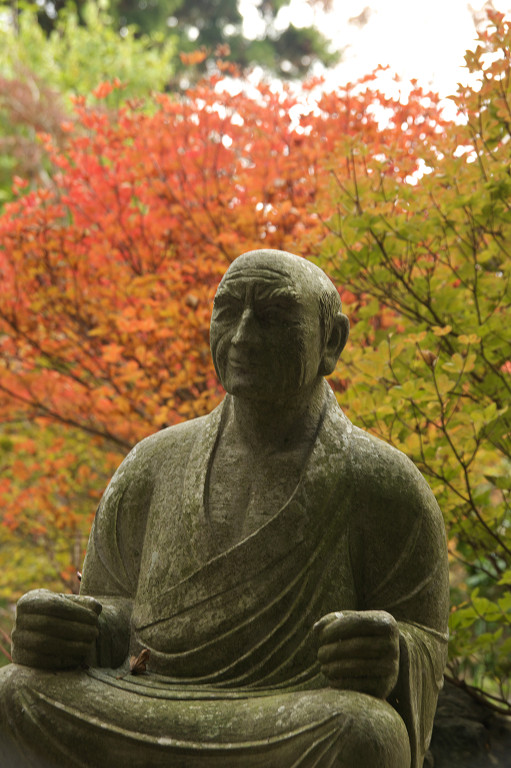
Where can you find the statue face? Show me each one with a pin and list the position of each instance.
(265, 332)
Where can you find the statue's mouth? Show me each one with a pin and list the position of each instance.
(242, 362)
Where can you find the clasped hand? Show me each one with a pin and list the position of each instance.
(54, 631)
(359, 651)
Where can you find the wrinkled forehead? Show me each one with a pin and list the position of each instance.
(261, 279)
(264, 271)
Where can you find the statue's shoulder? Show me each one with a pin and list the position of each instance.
(385, 482)
(178, 436)
(396, 529)
(163, 451)
(366, 459)
(374, 458)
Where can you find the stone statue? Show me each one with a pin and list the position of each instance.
(280, 574)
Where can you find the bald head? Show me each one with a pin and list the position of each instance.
(281, 263)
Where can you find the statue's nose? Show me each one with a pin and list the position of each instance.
(246, 329)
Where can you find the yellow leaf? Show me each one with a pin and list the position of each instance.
(441, 331)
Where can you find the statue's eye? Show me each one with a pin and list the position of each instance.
(271, 314)
(226, 310)
(277, 312)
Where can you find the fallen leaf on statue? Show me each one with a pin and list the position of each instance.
(138, 663)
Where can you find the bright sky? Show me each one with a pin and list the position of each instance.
(422, 39)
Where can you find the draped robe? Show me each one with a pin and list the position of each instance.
(233, 677)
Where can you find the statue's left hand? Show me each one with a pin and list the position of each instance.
(359, 650)
(54, 631)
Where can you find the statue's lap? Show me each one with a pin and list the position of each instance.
(107, 716)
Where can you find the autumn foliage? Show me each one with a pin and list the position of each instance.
(108, 276)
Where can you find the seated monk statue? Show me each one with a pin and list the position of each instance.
(280, 573)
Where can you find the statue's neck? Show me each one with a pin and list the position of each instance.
(269, 427)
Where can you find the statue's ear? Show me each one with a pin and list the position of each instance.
(335, 344)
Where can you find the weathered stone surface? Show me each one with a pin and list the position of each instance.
(283, 573)
(468, 734)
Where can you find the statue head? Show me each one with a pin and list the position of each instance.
(277, 326)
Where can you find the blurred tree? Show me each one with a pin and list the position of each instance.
(288, 52)
(51, 52)
(42, 74)
(84, 48)
(280, 48)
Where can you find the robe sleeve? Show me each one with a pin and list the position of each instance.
(112, 562)
(400, 545)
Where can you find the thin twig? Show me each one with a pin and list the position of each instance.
(481, 696)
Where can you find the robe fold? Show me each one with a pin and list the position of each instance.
(232, 633)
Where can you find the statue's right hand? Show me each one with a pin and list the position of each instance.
(54, 631)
